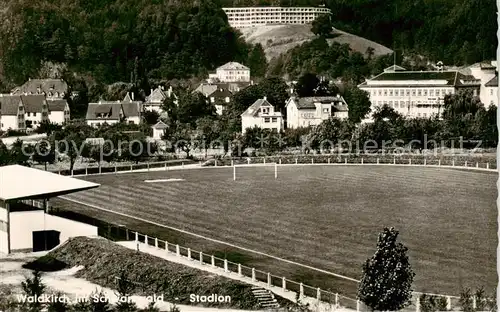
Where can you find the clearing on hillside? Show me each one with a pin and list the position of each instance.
(327, 217)
(278, 39)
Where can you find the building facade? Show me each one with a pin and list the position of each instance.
(156, 98)
(487, 73)
(113, 112)
(25, 112)
(261, 114)
(311, 111)
(231, 72)
(416, 94)
(259, 16)
(51, 88)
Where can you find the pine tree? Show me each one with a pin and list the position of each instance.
(387, 276)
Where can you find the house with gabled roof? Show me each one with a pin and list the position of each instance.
(263, 115)
(24, 112)
(155, 99)
(311, 111)
(416, 94)
(159, 129)
(108, 112)
(51, 88)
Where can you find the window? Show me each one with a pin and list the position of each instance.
(325, 110)
(425, 92)
(390, 92)
(396, 92)
(390, 103)
(274, 119)
(34, 114)
(385, 92)
(419, 92)
(491, 91)
(267, 119)
(413, 92)
(34, 122)
(402, 104)
(379, 92)
(379, 103)
(425, 115)
(431, 92)
(437, 92)
(29, 114)
(385, 102)
(407, 92)
(443, 92)
(418, 114)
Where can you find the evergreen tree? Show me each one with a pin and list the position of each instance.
(387, 276)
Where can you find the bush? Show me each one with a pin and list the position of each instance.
(46, 263)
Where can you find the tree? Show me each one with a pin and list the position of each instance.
(387, 276)
(20, 153)
(44, 153)
(124, 290)
(257, 61)
(322, 25)
(33, 287)
(71, 140)
(306, 85)
(5, 157)
(58, 305)
(208, 132)
(430, 303)
(358, 103)
(151, 117)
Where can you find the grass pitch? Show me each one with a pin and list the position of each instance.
(327, 217)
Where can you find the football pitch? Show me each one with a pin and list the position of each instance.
(327, 217)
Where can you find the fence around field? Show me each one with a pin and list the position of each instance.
(332, 159)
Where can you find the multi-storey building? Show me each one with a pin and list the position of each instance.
(156, 98)
(416, 93)
(487, 73)
(25, 112)
(108, 112)
(220, 94)
(258, 16)
(311, 111)
(261, 114)
(51, 88)
(231, 72)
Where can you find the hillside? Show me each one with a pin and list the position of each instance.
(278, 39)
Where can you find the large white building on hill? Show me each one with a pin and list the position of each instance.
(231, 72)
(259, 16)
(416, 93)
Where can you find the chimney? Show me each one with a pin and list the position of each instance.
(132, 96)
(265, 98)
(338, 95)
(151, 92)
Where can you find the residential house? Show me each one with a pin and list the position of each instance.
(261, 114)
(487, 73)
(156, 98)
(231, 72)
(51, 88)
(159, 129)
(107, 112)
(220, 94)
(24, 112)
(59, 112)
(311, 111)
(416, 93)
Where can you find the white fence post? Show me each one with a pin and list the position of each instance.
(328, 160)
(232, 163)
(453, 162)
(409, 161)
(166, 246)
(301, 290)
(275, 171)
(215, 163)
(99, 169)
(448, 303)
(116, 169)
(213, 261)
(156, 242)
(166, 165)
(182, 165)
(425, 161)
(264, 160)
(87, 170)
(296, 160)
(477, 165)
(378, 161)
(234, 173)
(253, 275)
(283, 284)
(312, 160)
(318, 294)
(136, 236)
(280, 161)
(439, 162)
(201, 258)
(474, 302)
(417, 305)
(177, 250)
(345, 160)
(248, 161)
(336, 300)
(239, 270)
(487, 165)
(358, 305)
(362, 160)
(131, 169)
(189, 253)
(145, 239)
(394, 161)
(225, 266)
(466, 163)
(269, 280)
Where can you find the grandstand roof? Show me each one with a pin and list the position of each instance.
(19, 182)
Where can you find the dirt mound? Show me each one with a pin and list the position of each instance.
(103, 261)
(278, 39)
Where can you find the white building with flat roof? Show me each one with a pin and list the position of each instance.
(416, 94)
(259, 16)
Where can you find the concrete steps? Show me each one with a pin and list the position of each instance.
(265, 298)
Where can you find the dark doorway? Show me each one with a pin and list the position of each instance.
(45, 240)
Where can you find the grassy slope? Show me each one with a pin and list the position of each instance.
(327, 217)
(103, 261)
(277, 39)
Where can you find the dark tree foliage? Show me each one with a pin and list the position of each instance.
(257, 61)
(322, 26)
(387, 276)
(118, 40)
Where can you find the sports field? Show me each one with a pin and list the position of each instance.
(328, 217)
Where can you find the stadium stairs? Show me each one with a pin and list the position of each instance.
(265, 298)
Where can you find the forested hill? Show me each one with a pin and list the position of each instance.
(454, 31)
(115, 40)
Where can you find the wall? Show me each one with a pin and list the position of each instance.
(3, 228)
(21, 236)
(95, 122)
(8, 122)
(56, 117)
